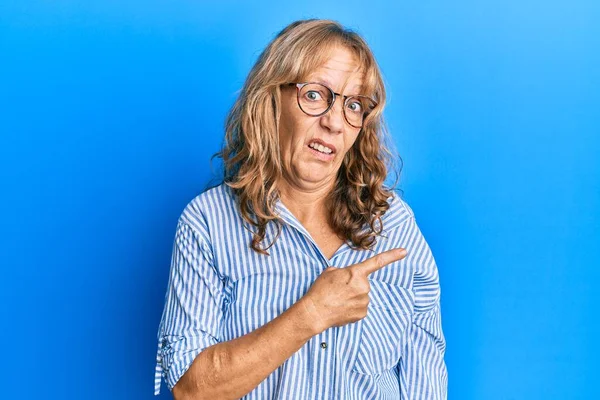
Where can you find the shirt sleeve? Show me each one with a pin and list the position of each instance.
(421, 370)
(192, 314)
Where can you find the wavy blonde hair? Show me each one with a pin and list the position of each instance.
(251, 153)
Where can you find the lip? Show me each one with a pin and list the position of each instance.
(321, 156)
(323, 143)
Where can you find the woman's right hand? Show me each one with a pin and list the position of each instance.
(340, 296)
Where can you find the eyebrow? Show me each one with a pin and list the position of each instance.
(326, 82)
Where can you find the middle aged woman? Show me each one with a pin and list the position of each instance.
(302, 276)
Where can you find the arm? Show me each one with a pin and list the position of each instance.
(230, 370)
(191, 357)
(422, 371)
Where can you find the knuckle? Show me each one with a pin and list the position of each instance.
(329, 269)
(365, 287)
(380, 261)
(350, 273)
(363, 312)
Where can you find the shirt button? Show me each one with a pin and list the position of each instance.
(323, 345)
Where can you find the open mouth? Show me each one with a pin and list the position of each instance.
(320, 148)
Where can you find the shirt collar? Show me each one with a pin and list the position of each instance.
(394, 216)
(390, 220)
(286, 215)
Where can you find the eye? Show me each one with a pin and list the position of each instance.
(355, 106)
(313, 95)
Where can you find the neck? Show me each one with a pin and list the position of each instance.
(309, 206)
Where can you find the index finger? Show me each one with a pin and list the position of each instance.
(379, 261)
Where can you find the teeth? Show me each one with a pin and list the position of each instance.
(320, 148)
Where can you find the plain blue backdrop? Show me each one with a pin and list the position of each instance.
(110, 111)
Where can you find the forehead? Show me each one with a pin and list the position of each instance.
(340, 69)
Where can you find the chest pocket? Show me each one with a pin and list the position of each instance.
(382, 333)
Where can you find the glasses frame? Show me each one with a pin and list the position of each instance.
(300, 85)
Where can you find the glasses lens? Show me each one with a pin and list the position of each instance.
(314, 98)
(356, 109)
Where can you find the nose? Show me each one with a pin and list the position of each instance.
(333, 119)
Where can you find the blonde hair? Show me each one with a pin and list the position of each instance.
(251, 154)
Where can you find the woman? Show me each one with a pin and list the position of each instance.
(302, 276)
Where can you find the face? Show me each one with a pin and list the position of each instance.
(306, 164)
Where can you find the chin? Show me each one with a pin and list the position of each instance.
(316, 177)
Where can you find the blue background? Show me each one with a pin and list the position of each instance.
(110, 111)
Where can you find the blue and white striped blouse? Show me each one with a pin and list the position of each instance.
(220, 289)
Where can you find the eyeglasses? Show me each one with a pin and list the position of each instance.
(315, 99)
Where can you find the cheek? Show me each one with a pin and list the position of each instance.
(292, 126)
(287, 133)
(299, 129)
(291, 140)
(350, 142)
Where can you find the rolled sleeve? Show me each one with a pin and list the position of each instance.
(192, 315)
(422, 370)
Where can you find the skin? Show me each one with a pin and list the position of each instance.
(231, 369)
(307, 180)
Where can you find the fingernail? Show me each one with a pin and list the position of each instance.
(402, 252)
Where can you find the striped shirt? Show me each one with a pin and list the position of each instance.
(220, 289)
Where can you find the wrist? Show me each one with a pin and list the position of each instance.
(309, 317)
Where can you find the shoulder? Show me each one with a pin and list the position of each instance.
(420, 258)
(398, 213)
(212, 206)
